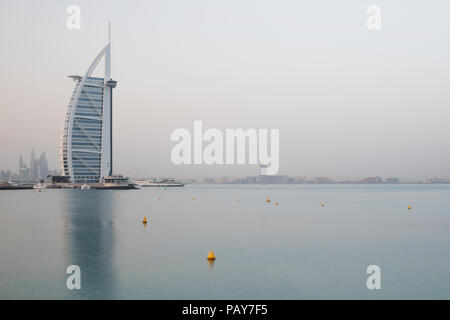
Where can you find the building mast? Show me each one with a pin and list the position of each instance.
(109, 85)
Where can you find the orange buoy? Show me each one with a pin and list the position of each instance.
(211, 255)
(276, 203)
(268, 199)
(144, 221)
(409, 207)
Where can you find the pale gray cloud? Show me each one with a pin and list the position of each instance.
(348, 101)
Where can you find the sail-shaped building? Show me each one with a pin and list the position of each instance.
(86, 142)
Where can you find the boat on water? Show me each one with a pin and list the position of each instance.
(85, 187)
(117, 182)
(40, 186)
(162, 183)
(14, 186)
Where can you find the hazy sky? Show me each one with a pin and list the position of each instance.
(349, 102)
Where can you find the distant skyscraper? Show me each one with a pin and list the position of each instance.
(34, 173)
(43, 166)
(86, 149)
(23, 170)
(5, 175)
(21, 165)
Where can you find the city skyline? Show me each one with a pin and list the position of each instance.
(36, 170)
(27, 174)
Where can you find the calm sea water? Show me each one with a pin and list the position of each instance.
(296, 250)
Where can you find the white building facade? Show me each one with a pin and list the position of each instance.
(86, 142)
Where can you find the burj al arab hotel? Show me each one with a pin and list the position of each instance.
(86, 142)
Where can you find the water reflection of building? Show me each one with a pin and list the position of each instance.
(89, 238)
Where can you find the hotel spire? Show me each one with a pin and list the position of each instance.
(87, 155)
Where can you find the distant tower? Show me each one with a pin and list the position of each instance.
(21, 162)
(43, 166)
(34, 174)
(31, 157)
(86, 154)
(23, 170)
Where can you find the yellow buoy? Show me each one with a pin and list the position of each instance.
(268, 199)
(409, 207)
(211, 255)
(193, 198)
(322, 205)
(144, 221)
